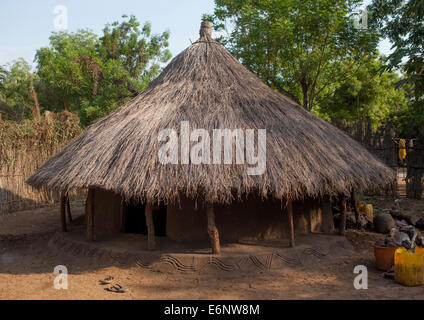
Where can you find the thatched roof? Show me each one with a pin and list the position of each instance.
(207, 86)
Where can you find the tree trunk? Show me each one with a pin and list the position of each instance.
(151, 244)
(305, 95)
(90, 215)
(414, 188)
(291, 223)
(36, 109)
(415, 173)
(63, 211)
(212, 230)
(342, 228)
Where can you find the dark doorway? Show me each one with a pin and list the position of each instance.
(135, 219)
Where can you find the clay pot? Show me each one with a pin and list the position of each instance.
(384, 257)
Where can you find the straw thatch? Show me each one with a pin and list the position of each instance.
(207, 86)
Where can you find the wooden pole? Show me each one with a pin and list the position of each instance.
(310, 221)
(68, 208)
(151, 244)
(63, 211)
(342, 201)
(122, 214)
(213, 230)
(395, 185)
(90, 215)
(291, 223)
(354, 204)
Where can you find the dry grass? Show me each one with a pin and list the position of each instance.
(207, 86)
(24, 147)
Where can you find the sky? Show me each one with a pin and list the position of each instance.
(25, 25)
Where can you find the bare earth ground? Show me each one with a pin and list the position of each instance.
(26, 271)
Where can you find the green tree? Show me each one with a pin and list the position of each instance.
(368, 95)
(300, 48)
(402, 22)
(64, 82)
(92, 75)
(16, 80)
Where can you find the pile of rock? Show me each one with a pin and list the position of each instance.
(406, 236)
(411, 217)
(383, 221)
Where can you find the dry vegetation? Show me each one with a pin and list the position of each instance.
(26, 146)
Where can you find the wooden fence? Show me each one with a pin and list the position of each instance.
(384, 143)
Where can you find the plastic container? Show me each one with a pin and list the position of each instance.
(384, 257)
(367, 209)
(409, 267)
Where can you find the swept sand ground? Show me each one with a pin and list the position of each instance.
(26, 272)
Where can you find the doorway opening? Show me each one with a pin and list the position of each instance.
(135, 219)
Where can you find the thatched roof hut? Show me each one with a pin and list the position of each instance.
(306, 157)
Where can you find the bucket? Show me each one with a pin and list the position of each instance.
(409, 267)
(384, 257)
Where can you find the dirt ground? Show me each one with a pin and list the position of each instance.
(26, 271)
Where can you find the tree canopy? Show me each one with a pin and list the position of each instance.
(402, 22)
(309, 50)
(298, 47)
(93, 75)
(369, 95)
(85, 73)
(15, 83)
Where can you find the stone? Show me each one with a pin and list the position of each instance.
(389, 242)
(380, 243)
(420, 223)
(366, 222)
(350, 220)
(383, 223)
(411, 216)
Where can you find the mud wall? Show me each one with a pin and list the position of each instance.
(107, 214)
(253, 219)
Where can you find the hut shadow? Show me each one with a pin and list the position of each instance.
(41, 253)
(11, 202)
(36, 252)
(290, 283)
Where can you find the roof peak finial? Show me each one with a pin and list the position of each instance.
(206, 29)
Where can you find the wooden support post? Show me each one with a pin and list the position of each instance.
(68, 208)
(63, 211)
(342, 201)
(395, 185)
(122, 214)
(354, 204)
(90, 215)
(213, 230)
(151, 243)
(291, 223)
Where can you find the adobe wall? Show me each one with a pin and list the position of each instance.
(253, 219)
(107, 216)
